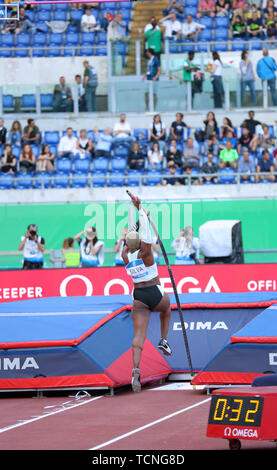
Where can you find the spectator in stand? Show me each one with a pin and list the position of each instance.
(122, 130)
(62, 97)
(15, 134)
(244, 141)
(242, 12)
(67, 147)
(118, 247)
(209, 168)
(10, 26)
(91, 249)
(238, 28)
(90, 85)
(270, 10)
(177, 7)
(88, 21)
(222, 7)
(228, 138)
(187, 247)
(27, 159)
(227, 126)
(45, 160)
(265, 165)
(157, 131)
(177, 128)
(211, 127)
(155, 157)
(255, 27)
(228, 156)
(3, 132)
(173, 154)
(251, 124)
(105, 21)
(31, 133)
(266, 140)
(211, 145)
(246, 166)
(215, 69)
(191, 29)
(117, 29)
(153, 66)
(81, 93)
(206, 8)
(24, 24)
(238, 4)
(153, 37)
(8, 160)
(84, 145)
(33, 247)
(171, 179)
(191, 157)
(103, 142)
(136, 158)
(266, 68)
(247, 77)
(173, 27)
(271, 30)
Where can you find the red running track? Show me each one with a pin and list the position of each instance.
(155, 419)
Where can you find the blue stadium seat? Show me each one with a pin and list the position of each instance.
(237, 44)
(23, 39)
(221, 22)
(187, 46)
(24, 180)
(61, 6)
(44, 15)
(191, 10)
(255, 44)
(101, 37)
(153, 178)
(7, 40)
(221, 34)
(42, 27)
(99, 179)
(118, 164)
(76, 14)
(100, 164)
(61, 180)
(134, 177)
(8, 102)
(121, 149)
(126, 13)
(51, 137)
(30, 14)
(42, 179)
(39, 39)
(141, 135)
(116, 178)
(6, 181)
(82, 165)
(220, 47)
(227, 175)
(206, 21)
(35, 149)
(46, 101)
(205, 34)
(59, 15)
(16, 150)
(55, 39)
(120, 47)
(45, 7)
(28, 101)
(71, 39)
(80, 180)
(64, 165)
(192, 3)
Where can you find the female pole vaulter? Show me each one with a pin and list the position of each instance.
(148, 294)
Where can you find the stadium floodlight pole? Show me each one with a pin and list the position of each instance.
(172, 282)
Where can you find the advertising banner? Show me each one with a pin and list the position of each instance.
(22, 285)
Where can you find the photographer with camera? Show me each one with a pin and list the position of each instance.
(187, 247)
(33, 247)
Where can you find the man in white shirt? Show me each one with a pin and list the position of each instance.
(88, 21)
(68, 145)
(122, 129)
(173, 28)
(191, 29)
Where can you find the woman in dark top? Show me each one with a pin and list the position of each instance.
(8, 160)
(135, 157)
(173, 154)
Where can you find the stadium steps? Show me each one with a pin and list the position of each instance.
(142, 13)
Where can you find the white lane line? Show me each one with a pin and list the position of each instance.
(37, 418)
(153, 423)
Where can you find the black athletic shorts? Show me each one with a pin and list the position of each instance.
(150, 296)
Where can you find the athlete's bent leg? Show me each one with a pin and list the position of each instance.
(165, 314)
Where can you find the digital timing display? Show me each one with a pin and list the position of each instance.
(236, 410)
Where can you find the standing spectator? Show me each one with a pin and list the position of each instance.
(187, 247)
(251, 124)
(155, 157)
(246, 166)
(135, 157)
(209, 168)
(153, 37)
(117, 29)
(62, 97)
(27, 160)
(189, 67)
(8, 160)
(91, 249)
(67, 147)
(33, 246)
(173, 154)
(206, 8)
(177, 128)
(266, 68)
(228, 156)
(71, 258)
(90, 85)
(45, 160)
(216, 77)
(3, 132)
(265, 165)
(191, 29)
(118, 247)
(31, 133)
(255, 26)
(88, 21)
(84, 145)
(122, 130)
(153, 66)
(247, 77)
(15, 134)
(103, 142)
(173, 27)
(80, 93)
(157, 131)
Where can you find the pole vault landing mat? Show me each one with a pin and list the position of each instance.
(250, 353)
(74, 342)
